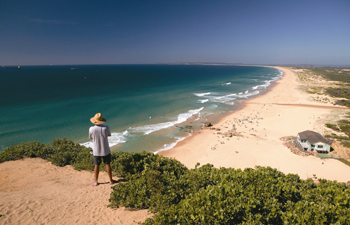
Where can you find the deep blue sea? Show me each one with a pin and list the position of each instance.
(146, 106)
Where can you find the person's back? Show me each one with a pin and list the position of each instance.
(99, 134)
(101, 151)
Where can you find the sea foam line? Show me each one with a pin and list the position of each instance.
(147, 129)
(114, 139)
(171, 145)
(203, 101)
(226, 99)
(201, 94)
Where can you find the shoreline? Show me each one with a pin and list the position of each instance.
(213, 118)
(283, 111)
(242, 104)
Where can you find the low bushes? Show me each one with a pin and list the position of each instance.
(60, 152)
(204, 195)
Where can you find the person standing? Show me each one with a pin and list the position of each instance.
(101, 151)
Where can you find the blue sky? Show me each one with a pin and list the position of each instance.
(163, 31)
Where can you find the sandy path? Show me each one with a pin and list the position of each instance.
(33, 191)
(283, 111)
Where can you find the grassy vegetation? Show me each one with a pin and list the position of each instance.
(332, 73)
(204, 195)
(342, 126)
(332, 126)
(343, 102)
(340, 87)
(344, 161)
(342, 78)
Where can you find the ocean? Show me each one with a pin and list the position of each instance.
(147, 107)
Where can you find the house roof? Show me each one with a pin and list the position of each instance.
(314, 137)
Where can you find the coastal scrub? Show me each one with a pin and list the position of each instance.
(205, 194)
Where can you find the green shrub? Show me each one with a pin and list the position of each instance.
(204, 195)
(343, 103)
(154, 181)
(84, 160)
(65, 152)
(332, 126)
(128, 165)
(30, 149)
(60, 152)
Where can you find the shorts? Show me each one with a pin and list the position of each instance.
(106, 159)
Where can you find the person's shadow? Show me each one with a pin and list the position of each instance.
(121, 180)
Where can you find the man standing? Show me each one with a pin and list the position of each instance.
(101, 151)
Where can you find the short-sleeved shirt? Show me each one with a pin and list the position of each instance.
(99, 134)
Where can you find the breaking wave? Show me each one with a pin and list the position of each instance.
(147, 129)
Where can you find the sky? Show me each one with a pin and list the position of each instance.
(62, 32)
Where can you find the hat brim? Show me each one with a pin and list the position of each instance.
(97, 122)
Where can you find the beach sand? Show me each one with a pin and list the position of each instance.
(33, 191)
(283, 111)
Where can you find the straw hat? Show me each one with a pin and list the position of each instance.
(98, 119)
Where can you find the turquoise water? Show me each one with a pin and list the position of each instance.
(145, 105)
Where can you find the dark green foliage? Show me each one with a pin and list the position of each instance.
(64, 152)
(204, 195)
(338, 92)
(60, 152)
(30, 149)
(207, 195)
(228, 196)
(154, 181)
(328, 203)
(128, 165)
(343, 102)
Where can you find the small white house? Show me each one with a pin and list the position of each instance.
(313, 141)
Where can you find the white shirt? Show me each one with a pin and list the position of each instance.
(99, 134)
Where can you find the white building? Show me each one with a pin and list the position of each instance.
(315, 142)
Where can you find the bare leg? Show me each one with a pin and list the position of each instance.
(96, 171)
(109, 172)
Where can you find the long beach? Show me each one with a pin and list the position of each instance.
(283, 111)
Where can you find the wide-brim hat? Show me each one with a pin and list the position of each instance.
(98, 119)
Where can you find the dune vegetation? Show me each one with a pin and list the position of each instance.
(203, 195)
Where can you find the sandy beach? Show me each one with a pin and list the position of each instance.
(283, 111)
(33, 191)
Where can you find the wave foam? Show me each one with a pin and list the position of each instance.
(245, 95)
(226, 99)
(201, 94)
(147, 129)
(170, 146)
(203, 101)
